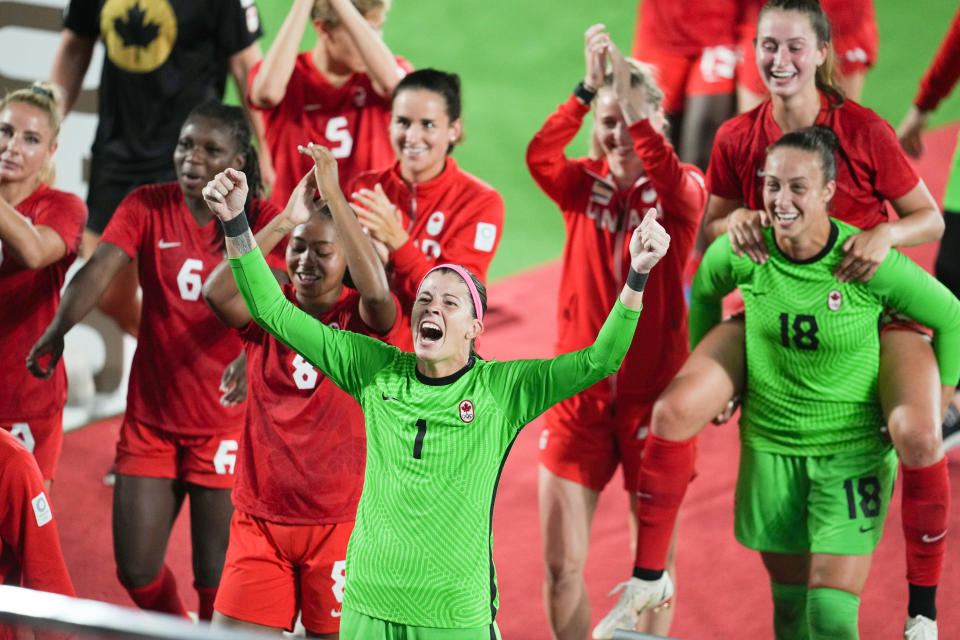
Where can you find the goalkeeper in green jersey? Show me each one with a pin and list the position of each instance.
(439, 425)
(816, 471)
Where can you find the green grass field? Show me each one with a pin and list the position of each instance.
(518, 60)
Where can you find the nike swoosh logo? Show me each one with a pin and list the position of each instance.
(865, 529)
(167, 245)
(929, 539)
(386, 397)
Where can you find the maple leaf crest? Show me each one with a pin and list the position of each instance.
(134, 31)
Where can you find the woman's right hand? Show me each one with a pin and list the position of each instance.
(226, 194)
(596, 41)
(49, 344)
(746, 236)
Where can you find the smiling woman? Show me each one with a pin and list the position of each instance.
(40, 232)
(424, 209)
(176, 438)
(816, 471)
(439, 424)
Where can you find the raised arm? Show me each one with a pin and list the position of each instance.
(270, 83)
(80, 296)
(220, 289)
(70, 64)
(348, 359)
(681, 190)
(377, 57)
(377, 307)
(548, 164)
(532, 386)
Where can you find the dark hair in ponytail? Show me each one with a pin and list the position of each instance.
(234, 119)
(445, 85)
(817, 139)
(820, 24)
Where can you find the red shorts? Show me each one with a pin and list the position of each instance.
(893, 320)
(207, 461)
(583, 440)
(708, 73)
(43, 437)
(272, 571)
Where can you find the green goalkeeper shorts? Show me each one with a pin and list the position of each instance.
(357, 626)
(813, 504)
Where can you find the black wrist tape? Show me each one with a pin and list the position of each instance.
(636, 281)
(236, 227)
(585, 95)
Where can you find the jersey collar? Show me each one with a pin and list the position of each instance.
(445, 380)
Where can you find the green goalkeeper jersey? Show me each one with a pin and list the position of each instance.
(812, 343)
(421, 550)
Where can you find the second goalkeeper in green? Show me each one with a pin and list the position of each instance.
(439, 424)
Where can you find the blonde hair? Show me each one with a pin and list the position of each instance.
(48, 98)
(642, 76)
(323, 12)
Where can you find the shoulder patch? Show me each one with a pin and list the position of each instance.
(41, 509)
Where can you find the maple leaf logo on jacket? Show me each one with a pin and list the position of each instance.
(139, 34)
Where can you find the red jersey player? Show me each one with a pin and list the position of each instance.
(853, 26)
(30, 554)
(301, 461)
(695, 53)
(40, 230)
(176, 438)
(424, 210)
(602, 201)
(337, 94)
(793, 41)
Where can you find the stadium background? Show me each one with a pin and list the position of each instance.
(518, 60)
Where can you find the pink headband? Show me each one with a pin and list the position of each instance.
(463, 273)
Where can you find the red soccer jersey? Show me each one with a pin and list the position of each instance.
(453, 218)
(685, 29)
(600, 219)
(303, 450)
(30, 554)
(28, 302)
(351, 120)
(182, 347)
(944, 71)
(871, 167)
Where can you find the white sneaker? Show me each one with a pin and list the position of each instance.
(920, 628)
(638, 596)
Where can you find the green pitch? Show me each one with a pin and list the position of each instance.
(518, 60)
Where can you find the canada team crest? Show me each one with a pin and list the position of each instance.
(466, 411)
(834, 300)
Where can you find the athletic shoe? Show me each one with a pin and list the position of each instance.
(638, 596)
(951, 428)
(920, 628)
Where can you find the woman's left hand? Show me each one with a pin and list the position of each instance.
(865, 251)
(380, 217)
(648, 244)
